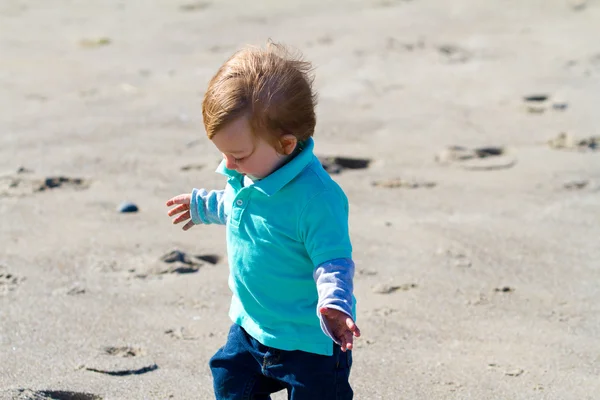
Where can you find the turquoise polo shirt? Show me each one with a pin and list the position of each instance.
(279, 229)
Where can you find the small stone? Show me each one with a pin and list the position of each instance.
(536, 98)
(560, 106)
(127, 207)
(592, 143)
(504, 289)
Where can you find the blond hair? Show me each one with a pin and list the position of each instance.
(272, 88)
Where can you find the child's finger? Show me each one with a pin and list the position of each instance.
(347, 341)
(353, 327)
(188, 225)
(176, 210)
(349, 345)
(343, 344)
(180, 199)
(183, 217)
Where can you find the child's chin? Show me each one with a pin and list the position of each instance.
(253, 177)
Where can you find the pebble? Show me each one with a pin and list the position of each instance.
(560, 106)
(127, 207)
(537, 98)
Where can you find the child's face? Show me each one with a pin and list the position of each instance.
(246, 153)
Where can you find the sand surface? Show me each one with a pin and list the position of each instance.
(477, 278)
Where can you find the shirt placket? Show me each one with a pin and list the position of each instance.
(240, 202)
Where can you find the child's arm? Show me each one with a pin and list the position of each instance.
(199, 207)
(323, 227)
(208, 207)
(334, 287)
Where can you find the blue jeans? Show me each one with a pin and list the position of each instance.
(245, 369)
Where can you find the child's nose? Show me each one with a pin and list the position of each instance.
(229, 162)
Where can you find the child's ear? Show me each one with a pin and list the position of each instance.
(288, 143)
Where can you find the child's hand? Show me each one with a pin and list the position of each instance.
(341, 325)
(184, 207)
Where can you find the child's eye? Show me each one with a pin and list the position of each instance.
(237, 160)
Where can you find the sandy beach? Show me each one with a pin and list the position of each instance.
(465, 134)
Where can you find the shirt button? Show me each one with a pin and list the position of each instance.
(239, 202)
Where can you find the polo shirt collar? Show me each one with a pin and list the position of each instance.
(281, 177)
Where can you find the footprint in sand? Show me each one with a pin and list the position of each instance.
(61, 181)
(8, 281)
(181, 333)
(121, 361)
(385, 288)
(477, 159)
(504, 289)
(124, 351)
(456, 258)
(27, 394)
(190, 167)
(197, 6)
(394, 44)
(176, 262)
(117, 371)
(576, 185)
(453, 54)
(540, 102)
(22, 183)
(183, 263)
(335, 165)
(589, 66)
(448, 53)
(403, 183)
